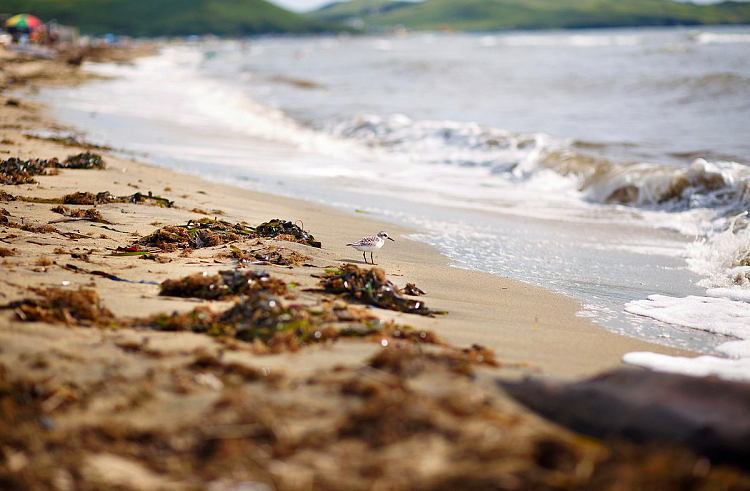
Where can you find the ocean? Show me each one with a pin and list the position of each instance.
(612, 166)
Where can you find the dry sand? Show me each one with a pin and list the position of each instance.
(121, 405)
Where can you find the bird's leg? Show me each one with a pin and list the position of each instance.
(364, 255)
(372, 260)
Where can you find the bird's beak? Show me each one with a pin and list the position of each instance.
(391, 239)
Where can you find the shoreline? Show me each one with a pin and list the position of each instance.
(322, 416)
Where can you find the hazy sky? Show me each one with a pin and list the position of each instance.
(304, 5)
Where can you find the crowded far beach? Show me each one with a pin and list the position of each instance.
(163, 331)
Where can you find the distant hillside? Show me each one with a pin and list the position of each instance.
(537, 14)
(168, 17)
(342, 11)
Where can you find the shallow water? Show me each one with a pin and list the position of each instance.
(606, 165)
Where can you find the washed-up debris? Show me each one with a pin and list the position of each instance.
(70, 307)
(411, 289)
(5, 252)
(272, 255)
(6, 196)
(286, 230)
(91, 214)
(370, 286)
(196, 234)
(103, 274)
(4, 214)
(223, 285)
(104, 197)
(18, 171)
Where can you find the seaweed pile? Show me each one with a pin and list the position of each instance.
(371, 287)
(18, 171)
(286, 230)
(268, 255)
(196, 234)
(6, 196)
(225, 284)
(71, 307)
(104, 197)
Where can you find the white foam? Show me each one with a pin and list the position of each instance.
(700, 366)
(716, 315)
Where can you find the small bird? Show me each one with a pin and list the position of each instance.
(370, 244)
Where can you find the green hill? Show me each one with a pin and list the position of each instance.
(542, 14)
(342, 11)
(168, 17)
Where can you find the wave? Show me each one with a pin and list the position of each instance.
(720, 185)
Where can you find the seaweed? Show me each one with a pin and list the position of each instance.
(413, 290)
(4, 214)
(6, 196)
(104, 197)
(17, 171)
(279, 256)
(86, 160)
(223, 285)
(5, 252)
(286, 230)
(196, 234)
(70, 307)
(371, 287)
(91, 214)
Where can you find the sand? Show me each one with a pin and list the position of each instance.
(116, 404)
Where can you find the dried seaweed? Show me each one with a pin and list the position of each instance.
(4, 214)
(223, 285)
(279, 256)
(104, 197)
(370, 286)
(196, 234)
(413, 290)
(286, 230)
(70, 307)
(5, 252)
(91, 214)
(6, 196)
(18, 171)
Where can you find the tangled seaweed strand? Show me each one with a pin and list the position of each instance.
(223, 285)
(17, 171)
(277, 228)
(372, 287)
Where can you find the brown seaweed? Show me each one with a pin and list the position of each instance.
(413, 290)
(6, 196)
(70, 307)
(370, 286)
(4, 214)
(195, 234)
(223, 285)
(91, 214)
(286, 230)
(104, 197)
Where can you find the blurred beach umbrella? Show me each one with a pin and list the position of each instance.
(23, 22)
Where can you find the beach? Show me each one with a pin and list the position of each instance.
(410, 404)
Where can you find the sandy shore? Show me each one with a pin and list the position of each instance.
(119, 404)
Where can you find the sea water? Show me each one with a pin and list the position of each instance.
(608, 165)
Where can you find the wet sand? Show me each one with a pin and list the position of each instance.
(91, 404)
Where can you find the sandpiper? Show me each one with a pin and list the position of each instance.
(370, 244)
